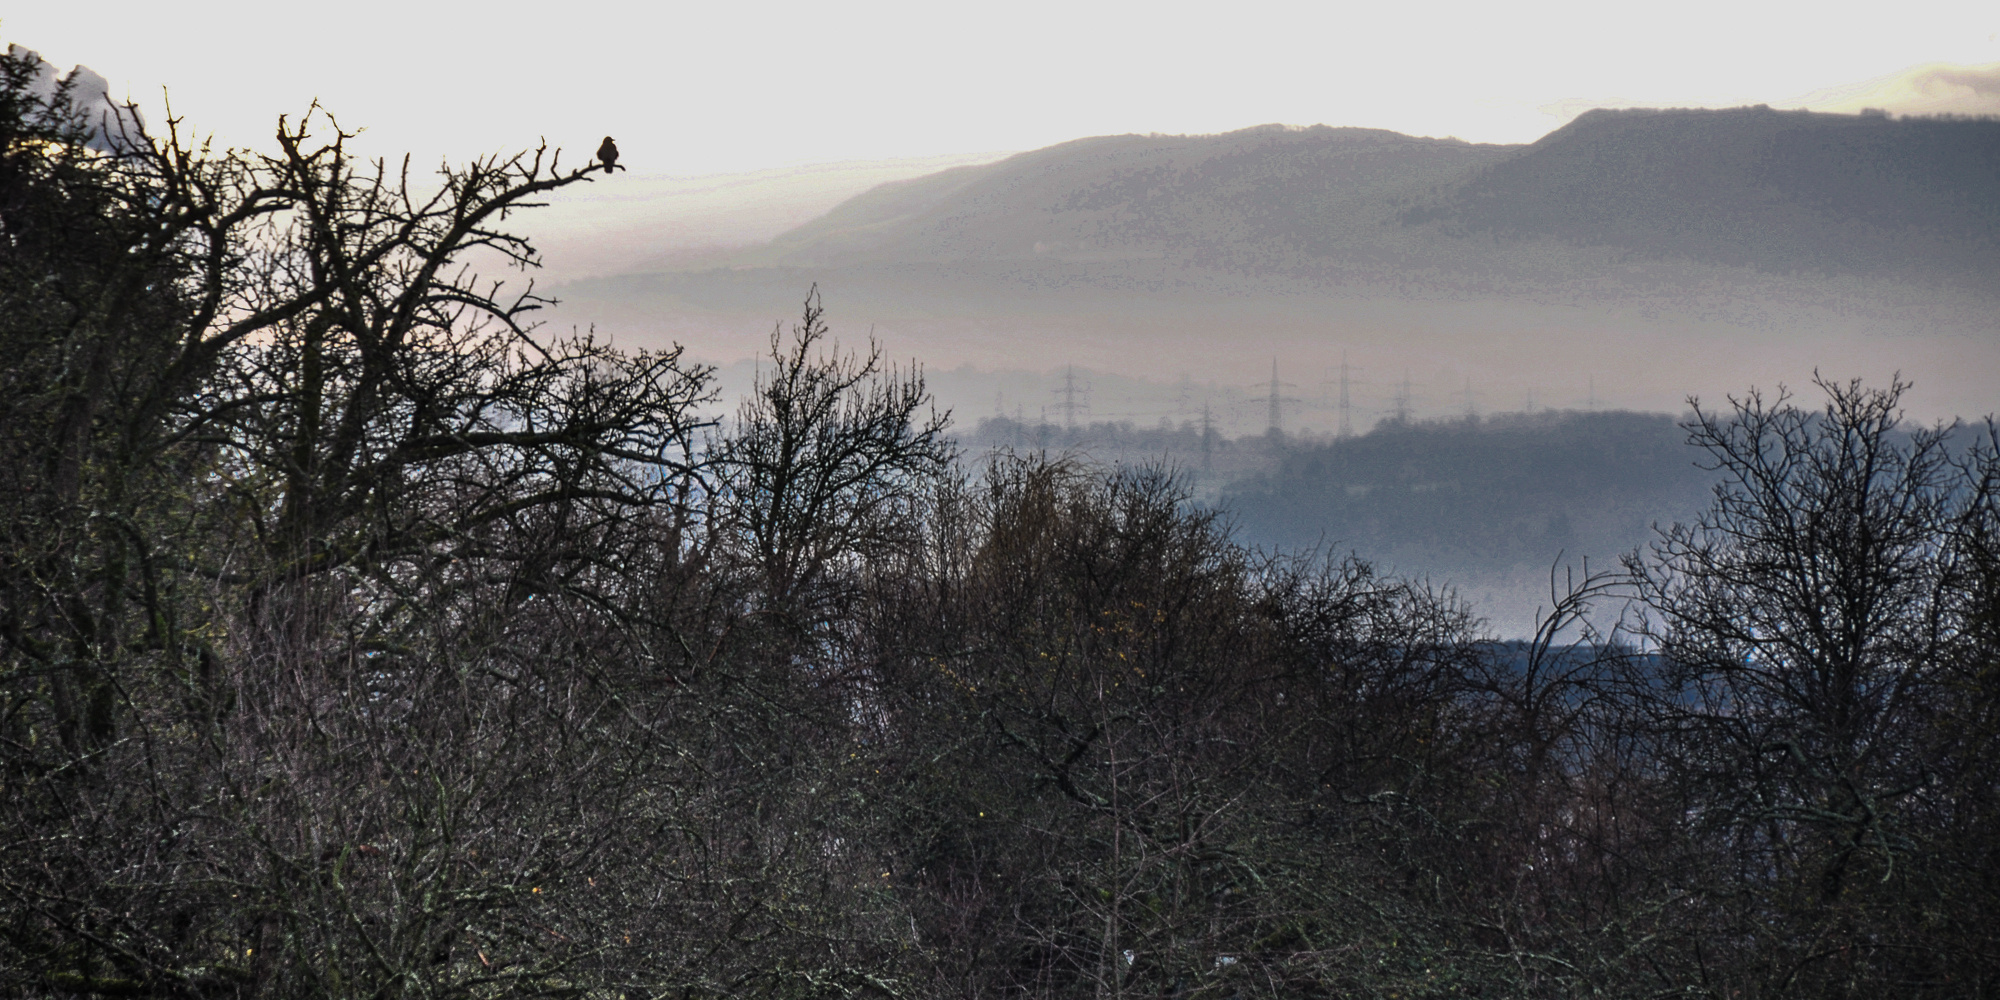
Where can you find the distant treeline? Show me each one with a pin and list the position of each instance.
(1182, 445)
(1451, 497)
(1478, 494)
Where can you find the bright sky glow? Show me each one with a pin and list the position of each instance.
(723, 87)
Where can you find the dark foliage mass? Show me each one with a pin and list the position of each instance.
(358, 641)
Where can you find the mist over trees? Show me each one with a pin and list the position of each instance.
(358, 639)
(1506, 495)
(1485, 504)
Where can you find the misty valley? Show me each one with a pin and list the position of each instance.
(1291, 562)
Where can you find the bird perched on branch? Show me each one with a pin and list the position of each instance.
(609, 154)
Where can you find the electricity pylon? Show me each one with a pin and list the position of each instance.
(1278, 400)
(1070, 405)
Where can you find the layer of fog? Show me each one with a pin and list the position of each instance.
(633, 222)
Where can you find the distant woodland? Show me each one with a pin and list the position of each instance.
(1460, 495)
(1482, 495)
(359, 639)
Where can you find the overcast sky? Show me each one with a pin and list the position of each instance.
(713, 87)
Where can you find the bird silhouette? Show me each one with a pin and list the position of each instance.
(608, 153)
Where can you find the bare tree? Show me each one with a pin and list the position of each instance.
(1812, 624)
(313, 549)
(822, 463)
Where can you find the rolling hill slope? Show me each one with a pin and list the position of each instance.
(1192, 199)
(1775, 190)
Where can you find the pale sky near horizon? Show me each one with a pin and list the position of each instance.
(711, 87)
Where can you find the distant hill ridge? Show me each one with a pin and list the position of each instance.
(1776, 190)
(1651, 254)
(1187, 196)
(1773, 190)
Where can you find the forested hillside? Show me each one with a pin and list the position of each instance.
(360, 640)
